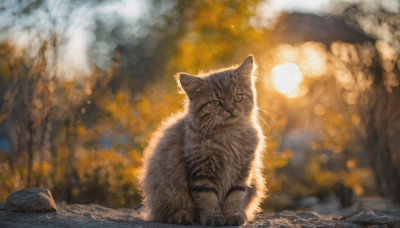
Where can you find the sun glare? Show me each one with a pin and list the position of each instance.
(287, 78)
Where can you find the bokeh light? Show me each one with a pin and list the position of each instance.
(286, 79)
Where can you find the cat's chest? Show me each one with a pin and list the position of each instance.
(232, 148)
(226, 155)
(234, 151)
(229, 147)
(235, 140)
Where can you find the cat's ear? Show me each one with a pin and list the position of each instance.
(246, 68)
(190, 84)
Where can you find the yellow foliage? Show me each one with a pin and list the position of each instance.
(42, 168)
(273, 160)
(10, 180)
(338, 131)
(218, 30)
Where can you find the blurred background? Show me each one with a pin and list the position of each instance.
(83, 84)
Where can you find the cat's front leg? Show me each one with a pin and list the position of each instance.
(182, 217)
(234, 206)
(207, 202)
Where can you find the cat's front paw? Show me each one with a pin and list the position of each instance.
(182, 217)
(236, 219)
(212, 220)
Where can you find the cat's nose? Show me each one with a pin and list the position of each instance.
(230, 109)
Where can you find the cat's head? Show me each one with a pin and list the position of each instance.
(222, 97)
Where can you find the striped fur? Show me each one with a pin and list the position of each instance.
(203, 165)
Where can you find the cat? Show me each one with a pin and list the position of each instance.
(204, 164)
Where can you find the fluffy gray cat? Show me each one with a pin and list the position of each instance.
(203, 165)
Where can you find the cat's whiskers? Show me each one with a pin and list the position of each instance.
(262, 121)
(268, 113)
(247, 121)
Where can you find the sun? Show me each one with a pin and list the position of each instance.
(287, 78)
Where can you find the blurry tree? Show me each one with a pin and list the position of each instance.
(380, 104)
(36, 107)
(356, 99)
(144, 47)
(376, 73)
(216, 34)
(380, 116)
(364, 108)
(37, 103)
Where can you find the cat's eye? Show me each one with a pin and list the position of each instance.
(215, 103)
(238, 98)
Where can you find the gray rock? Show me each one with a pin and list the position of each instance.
(30, 201)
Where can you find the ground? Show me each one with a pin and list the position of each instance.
(92, 215)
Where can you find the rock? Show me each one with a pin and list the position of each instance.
(92, 215)
(390, 218)
(30, 201)
(298, 219)
(77, 215)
